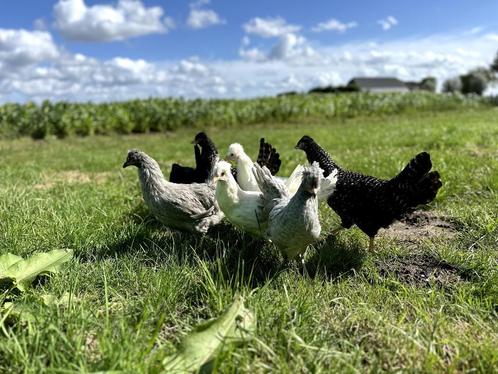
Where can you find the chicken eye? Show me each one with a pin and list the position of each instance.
(223, 174)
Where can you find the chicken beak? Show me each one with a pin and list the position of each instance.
(216, 179)
(126, 164)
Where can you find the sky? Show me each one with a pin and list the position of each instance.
(101, 50)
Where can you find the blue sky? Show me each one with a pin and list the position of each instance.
(121, 49)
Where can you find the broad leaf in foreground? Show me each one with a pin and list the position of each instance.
(18, 273)
(200, 345)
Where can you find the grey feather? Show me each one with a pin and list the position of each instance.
(293, 222)
(190, 207)
(273, 190)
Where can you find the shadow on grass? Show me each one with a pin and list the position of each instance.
(224, 249)
(230, 255)
(336, 256)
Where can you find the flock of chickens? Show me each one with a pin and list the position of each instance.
(282, 210)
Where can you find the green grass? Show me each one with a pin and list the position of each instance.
(137, 289)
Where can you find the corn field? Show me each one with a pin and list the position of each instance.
(63, 119)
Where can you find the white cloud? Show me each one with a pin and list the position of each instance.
(334, 25)
(19, 48)
(387, 23)
(201, 18)
(493, 37)
(40, 24)
(252, 54)
(290, 46)
(33, 68)
(103, 23)
(270, 27)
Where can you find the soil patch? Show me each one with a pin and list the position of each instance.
(422, 270)
(420, 225)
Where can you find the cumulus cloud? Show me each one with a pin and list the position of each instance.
(290, 44)
(288, 47)
(270, 27)
(387, 23)
(103, 23)
(19, 48)
(200, 18)
(334, 25)
(38, 70)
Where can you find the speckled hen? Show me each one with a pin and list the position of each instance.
(372, 203)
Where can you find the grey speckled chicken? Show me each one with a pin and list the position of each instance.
(293, 222)
(190, 207)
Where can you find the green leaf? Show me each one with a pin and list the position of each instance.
(235, 325)
(8, 260)
(18, 273)
(11, 314)
(63, 301)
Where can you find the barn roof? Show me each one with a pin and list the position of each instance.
(379, 82)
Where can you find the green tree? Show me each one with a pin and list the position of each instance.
(476, 81)
(452, 85)
(494, 64)
(428, 84)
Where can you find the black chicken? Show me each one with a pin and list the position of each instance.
(371, 203)
(204, 162)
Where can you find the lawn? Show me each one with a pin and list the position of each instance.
(425, 301)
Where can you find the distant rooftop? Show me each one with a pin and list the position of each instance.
(378, 82)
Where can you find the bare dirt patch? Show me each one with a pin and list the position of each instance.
(420, 226)
(422, 270)
(71, 177)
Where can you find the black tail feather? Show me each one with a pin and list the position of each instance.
(416, 169)
(181, 174)
(416, 184)
(269, 157)
(428, 187)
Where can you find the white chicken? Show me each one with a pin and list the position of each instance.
(245, 174)
(244, 209)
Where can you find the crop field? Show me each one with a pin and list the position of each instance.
(425, 301)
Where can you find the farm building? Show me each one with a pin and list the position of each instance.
(379, 84)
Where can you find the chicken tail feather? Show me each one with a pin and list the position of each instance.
(269, 157)
(416, 184)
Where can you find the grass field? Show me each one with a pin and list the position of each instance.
(137, 289)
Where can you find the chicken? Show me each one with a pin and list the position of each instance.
(372, 203)
(244, 209)
(204, 162)
(268, 157)
(189, 207)
(293, 222)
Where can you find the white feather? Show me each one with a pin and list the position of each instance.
(243, 209)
